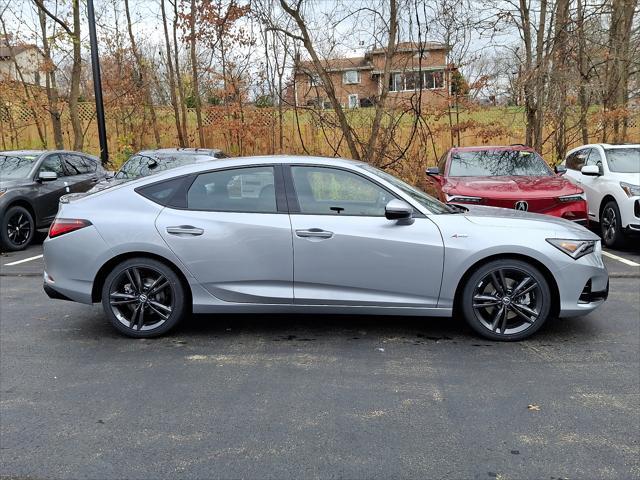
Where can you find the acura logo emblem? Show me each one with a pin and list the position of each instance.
(522, 205)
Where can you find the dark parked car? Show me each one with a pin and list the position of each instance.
(32, 182)
(150, 162)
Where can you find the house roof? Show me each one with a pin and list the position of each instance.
(5, 51)
(412, 47)
(336, 64)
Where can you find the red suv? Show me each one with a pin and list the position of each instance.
(509, 177)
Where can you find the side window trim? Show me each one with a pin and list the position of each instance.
(292, 195)
(46, 157)
(281, 208)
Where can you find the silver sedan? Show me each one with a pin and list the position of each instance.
(314, 235)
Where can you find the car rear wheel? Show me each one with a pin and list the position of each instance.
(143, 298)
(611, 225)
(18, 228)
(506, 300)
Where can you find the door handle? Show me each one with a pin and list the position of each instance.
(314, 233)
(185, 230)
(95, 179)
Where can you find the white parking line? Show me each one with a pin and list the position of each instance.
(620, 259)
(24, 260)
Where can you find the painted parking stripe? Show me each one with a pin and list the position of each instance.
(24, 260)
(620, 259)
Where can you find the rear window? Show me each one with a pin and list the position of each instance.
(169, 193)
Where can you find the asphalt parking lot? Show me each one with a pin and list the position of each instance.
(315, 397)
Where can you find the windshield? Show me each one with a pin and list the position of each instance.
(624, 160)
(427, 201)
(498, 163)
(12, 167)
(144, 165)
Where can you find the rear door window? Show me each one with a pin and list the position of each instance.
(75, 164)
(250, 189)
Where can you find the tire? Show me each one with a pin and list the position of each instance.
(16, 229)
(494, 312)
(155, 290)
(611, 226)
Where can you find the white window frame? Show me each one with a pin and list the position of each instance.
(402, 84)
(315, 80)
(347, 81)
(357, 103)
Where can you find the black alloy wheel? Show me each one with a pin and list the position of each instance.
(506, 300)
(143, 298)
(18, 229)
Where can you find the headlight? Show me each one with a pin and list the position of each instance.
(463, 198)
(630, 190)
(574, 248)
(574, 197)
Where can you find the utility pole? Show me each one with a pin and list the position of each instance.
(97, 84)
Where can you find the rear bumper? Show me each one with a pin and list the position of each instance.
(54, 294)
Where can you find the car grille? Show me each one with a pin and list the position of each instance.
(536, 205)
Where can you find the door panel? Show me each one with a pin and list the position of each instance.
(237, 257)
(241, 254)
(347, 253)
(366, 261)
(590, 184)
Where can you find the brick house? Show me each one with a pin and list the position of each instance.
(416, 70)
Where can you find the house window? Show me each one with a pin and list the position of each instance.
(433, 79)
(416, 80)
(396, 82)
(353, 101)
(351, 76)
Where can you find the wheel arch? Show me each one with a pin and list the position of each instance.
(104, 270)
(553, 285)
(24, 203)
(606, 199)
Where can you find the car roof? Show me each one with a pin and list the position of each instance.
(609, 146)
(516, 147)
(41, 152)
(172, 151)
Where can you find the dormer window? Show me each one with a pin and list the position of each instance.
(351, 77)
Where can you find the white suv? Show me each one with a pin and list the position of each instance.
(610, 178)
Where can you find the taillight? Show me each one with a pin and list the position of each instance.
(60, 226)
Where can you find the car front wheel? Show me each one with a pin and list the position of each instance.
(611, 225)
(18, 229)
(506, 300)
(143, 298)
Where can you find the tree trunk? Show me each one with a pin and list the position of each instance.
(194, 71)
(76, 71)
(144, 77)
(583, 98)
(540, 77)
(528, 84)
(370, 150)
(180, 84)
(326, 80)
(51, 84)
(559, 77)
(172, 80)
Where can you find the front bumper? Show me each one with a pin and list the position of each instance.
(583, 285)
(630, 213)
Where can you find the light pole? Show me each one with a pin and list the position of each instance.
(97, 84)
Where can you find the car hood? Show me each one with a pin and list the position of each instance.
(516, 186)
(19, 182)
(632, 178)
(506, 217)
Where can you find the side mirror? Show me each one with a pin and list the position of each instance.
(560, 169)
(398, 210)
(47, 176)
(152, 164)
(433, 171)
(590, 170)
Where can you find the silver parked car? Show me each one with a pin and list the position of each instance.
(314, 235)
